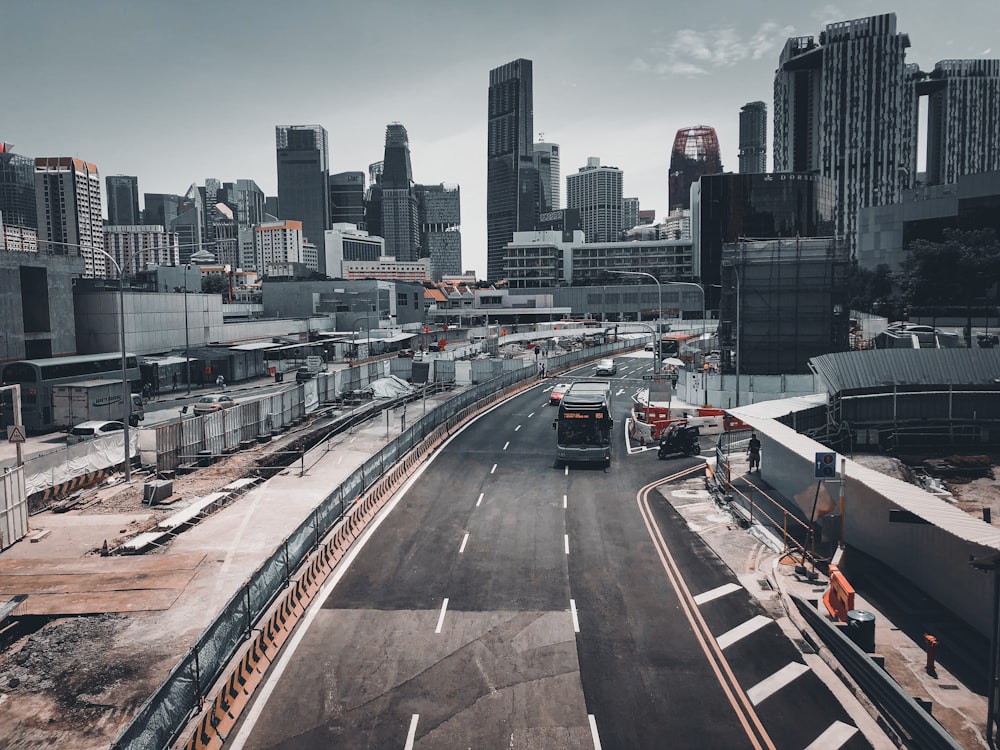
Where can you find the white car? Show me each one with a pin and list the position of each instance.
(93, 429)
(606, 367)
(216, 402)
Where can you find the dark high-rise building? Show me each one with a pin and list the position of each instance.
(123, 200)
(440, 211)
(547, 163)
(303, 178)
(347, 199)
(695, 153)
(160, 209)
(509, 161)
(17, 188)
(753, 138)
(963, 109)
(247, 201)
(400, 225)
(845, 107)
(373, 199)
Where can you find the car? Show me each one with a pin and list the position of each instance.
(92, 430)
(606, 367)
(303, 374)
(214, 402)
(649, 347)
(557, 392)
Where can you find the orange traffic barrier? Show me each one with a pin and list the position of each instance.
(839, 598)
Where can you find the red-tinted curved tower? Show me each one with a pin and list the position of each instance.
(695, 153)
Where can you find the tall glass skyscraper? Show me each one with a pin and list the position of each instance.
(123, 200)
(400, 226)
(509, 160)
(17, 188)
(347, 199)
(303, 178)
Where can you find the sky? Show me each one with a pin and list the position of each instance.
(179, 92)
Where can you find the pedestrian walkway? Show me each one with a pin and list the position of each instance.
(953, 688)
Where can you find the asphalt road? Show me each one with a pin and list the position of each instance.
(507, 603)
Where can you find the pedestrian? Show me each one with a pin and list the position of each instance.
(175, 381)
(221, 382)
(753, 452)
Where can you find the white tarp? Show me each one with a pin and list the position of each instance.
(50, 469)
(13, 507)
(390, 387)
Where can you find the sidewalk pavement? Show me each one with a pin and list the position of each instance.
(955, 689)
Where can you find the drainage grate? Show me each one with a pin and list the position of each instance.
(766, 584)
(948, 687)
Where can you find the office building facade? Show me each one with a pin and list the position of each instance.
(17, 189)
(400, 223)
(845, 108)
(753, 138)
(347, 199)
(277, 243)
(509, 160)
(596, 192)
(68, 205)
(123, 200)
(303, 177)
(440, 214)
(138, 246)
(546, 161)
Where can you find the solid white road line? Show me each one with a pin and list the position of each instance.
(464, 540)
(742, 631)
(707, 596)
(504, 445)
(477, 501)
(593, 732)
(771, 685)
(836, 735)
(493, 469)
(444, 608)
(572, 611)
(412, 734)
(566, 543)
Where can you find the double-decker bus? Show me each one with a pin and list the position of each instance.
(37, 376)
(584, 424)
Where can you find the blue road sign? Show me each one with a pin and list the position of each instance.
(826, 465)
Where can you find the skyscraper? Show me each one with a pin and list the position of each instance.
(123, 200)
(547, 164)
(440, 228)
(963, 109)
(400, 226)
(68, 204)
(17, 188)
(753, 138)
(630, 213)
(347, 199)
(695, 153)
(596, 192)
(303, 178)
(845, 108)
(509, 161)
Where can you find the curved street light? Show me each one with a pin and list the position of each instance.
(659, 315)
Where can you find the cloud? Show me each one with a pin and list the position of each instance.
(695, 53)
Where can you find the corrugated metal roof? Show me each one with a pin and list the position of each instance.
(845, 372)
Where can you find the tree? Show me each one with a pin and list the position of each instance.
(869, 288)
(964, 266)
(215, 283)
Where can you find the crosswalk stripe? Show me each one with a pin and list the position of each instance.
(707, 596)
(836, 735)
(752, 625)
(771, 685)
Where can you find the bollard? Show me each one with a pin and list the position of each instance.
(930, 644)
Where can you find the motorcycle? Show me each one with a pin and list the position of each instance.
(679, 440)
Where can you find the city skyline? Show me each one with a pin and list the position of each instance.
(620, 101)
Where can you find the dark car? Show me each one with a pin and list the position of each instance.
(303, 374)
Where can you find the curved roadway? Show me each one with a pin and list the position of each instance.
(505, 603)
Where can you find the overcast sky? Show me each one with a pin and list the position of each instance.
(177, 92)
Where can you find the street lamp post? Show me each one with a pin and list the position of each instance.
(187, 343)
(659, 316)
(126, 391)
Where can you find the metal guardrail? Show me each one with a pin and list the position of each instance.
(902, 710)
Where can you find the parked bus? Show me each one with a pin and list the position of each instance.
(584, 424)
(37, 376)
